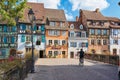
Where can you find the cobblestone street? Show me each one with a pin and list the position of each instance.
(68, 69)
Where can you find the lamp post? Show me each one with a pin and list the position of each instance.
(32, 19)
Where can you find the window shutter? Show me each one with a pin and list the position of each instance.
(35, 28)
(5, 29)
(23, 38)
(42, 28)
(86, 44)
(23, 26)
(12, 40)
(5, 39)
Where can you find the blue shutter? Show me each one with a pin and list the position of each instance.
(14, 29)
(13, 40)
(23, 26)
(42, 27)
(86, 44)
(23, 38)
(5, 39)
(35, 27)
(43, 38)
(5, 29)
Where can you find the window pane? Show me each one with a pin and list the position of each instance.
(52, 23)
(104, 32)
(92, 31)
(99, 42)
(98, 32)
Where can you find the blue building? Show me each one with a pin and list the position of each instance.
(8, 40)
(25, 31)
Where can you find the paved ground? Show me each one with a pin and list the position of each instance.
(68, 69)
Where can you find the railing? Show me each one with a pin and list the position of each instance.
(17, 73)
(111, 59)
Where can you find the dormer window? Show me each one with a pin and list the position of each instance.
(72, 26)
(81, 26)
(52, 23)
(102, 23)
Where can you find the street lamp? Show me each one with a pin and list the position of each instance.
(32, 19)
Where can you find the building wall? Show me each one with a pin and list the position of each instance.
(38, 35)
(114, 45)
(77, 48)
(59, 47)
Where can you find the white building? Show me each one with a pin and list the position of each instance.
(77, 39)
(114, 36)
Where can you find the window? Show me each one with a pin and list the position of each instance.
(98, 32)
(78, 34)
(50, 53)
(53, 32)
(92, 31)
(23, 27)
(81, 26)
(104, 32)
(83, 44)
(63, 33)
(63, 42)
(61, 24)
(115, 31)
(52, 23)
(83, 34)
(99, 42)
(71, 34)
(55, 42)
(72, 26)
(115, 41)
(22, 38)
(38, 42)
(104, 42)
(50, 42)
(55, 53)
(28, 38)
(92, 42)
(73, 44)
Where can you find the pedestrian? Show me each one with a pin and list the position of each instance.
(81, 57)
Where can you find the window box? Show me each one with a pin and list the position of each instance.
(38, 31)
(28, 31)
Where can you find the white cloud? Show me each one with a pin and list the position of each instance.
(89, 4)
(69, 16)
(48, 3)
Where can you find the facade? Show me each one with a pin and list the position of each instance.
(25, 31)
(98, 31)
(56, 34)
(77, 39)
(8, 40)
(114, 35)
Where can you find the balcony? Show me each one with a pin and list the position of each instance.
(56, 47)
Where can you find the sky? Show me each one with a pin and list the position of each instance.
(72, 8)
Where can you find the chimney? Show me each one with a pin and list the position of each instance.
(97, 10)
(77, 18)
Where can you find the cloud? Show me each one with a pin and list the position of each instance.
(89, 4)
(48, 3)
(68, 15)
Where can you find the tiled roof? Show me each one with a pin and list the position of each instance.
(113, 19)
(93, 15)
(76, 26)
(55, 15)
(38, 9)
